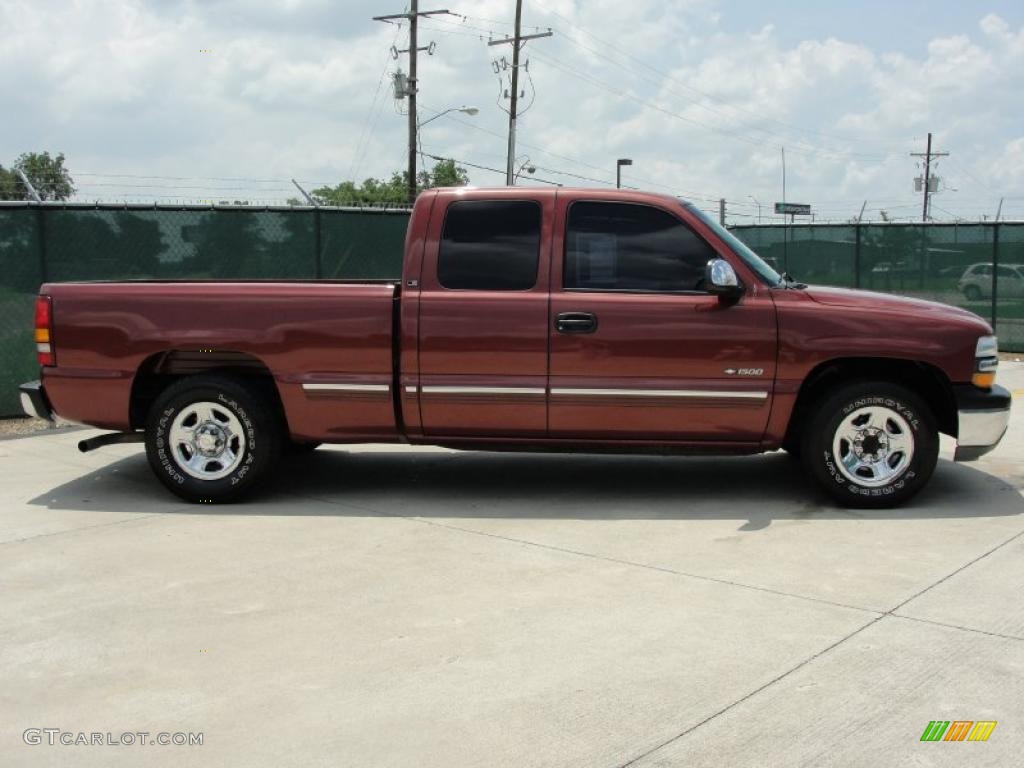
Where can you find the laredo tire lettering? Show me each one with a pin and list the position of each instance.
(258, 425)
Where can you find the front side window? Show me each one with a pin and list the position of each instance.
(490, 245)
(628, 247)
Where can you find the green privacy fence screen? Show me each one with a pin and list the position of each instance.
(976, 266)
(48, 242)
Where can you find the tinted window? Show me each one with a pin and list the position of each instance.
(490, 246)
(620, 246)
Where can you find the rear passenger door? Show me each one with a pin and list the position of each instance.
(483, 316)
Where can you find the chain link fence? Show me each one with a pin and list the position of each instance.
(976, 266)
(979, 267)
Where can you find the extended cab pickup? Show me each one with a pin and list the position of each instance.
(526, 319)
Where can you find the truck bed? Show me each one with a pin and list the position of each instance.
(328, 346)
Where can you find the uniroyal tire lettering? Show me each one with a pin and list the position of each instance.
(900, 482)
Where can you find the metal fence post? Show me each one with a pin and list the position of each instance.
(317, 261)
(995, 272)
(41, 227)
(856, 255)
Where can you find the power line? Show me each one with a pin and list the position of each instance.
(366, 133)
(487, 168)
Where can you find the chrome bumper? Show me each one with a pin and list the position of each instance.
(982, 416)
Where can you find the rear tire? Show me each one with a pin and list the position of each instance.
(212, 439)
(871, 445)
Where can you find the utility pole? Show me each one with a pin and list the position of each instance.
(517, 41)
(927, 155)
(412, 16)
(721, 211)
(783, 150)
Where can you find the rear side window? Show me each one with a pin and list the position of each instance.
(490, 245)
(627, 247)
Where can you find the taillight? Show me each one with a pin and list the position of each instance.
(44, 331)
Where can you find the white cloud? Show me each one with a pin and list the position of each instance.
(286, 90)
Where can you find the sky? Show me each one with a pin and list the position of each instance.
(166, 101)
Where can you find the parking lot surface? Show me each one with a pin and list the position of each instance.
(395, 606)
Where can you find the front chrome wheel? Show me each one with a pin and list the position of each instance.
(207, 440)
(873, 446)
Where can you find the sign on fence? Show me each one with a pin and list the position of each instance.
(793, 209)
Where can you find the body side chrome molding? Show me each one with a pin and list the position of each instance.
(346, 387)
(447, 390)
(590, 392)
(694, 393)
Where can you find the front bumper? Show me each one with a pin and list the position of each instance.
(34, 401)
(982, 415)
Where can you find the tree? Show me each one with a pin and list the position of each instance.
(51, 179)
(445, 173)
(11, 187)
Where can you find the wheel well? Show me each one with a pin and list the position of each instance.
(927, 381)
(159, 371)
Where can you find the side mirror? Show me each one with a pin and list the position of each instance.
(720, 279)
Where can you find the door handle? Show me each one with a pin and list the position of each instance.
(576, 322)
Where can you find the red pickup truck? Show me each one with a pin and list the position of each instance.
(526, 319)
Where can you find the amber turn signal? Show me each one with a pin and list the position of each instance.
(983, 380)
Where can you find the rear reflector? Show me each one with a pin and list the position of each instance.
(44, 331)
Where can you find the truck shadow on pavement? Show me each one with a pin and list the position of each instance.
(757, 489)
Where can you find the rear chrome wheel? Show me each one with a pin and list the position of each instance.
(212, 438)
(207, 440)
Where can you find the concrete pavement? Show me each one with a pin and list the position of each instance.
(388, 606)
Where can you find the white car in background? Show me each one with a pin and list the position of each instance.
(976, 282)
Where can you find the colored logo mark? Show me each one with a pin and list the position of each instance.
(958, 730)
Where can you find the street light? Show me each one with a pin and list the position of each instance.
(618, 170)
(527, 166)
(419, 143)
(465, 110)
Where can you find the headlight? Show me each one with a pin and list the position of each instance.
(986, 361)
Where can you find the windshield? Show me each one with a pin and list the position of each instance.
(738, 247)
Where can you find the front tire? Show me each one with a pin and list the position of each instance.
(212, 439)
(871, 445)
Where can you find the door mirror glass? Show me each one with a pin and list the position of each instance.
(721, 278)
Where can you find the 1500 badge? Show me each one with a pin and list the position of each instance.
(745, 371)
